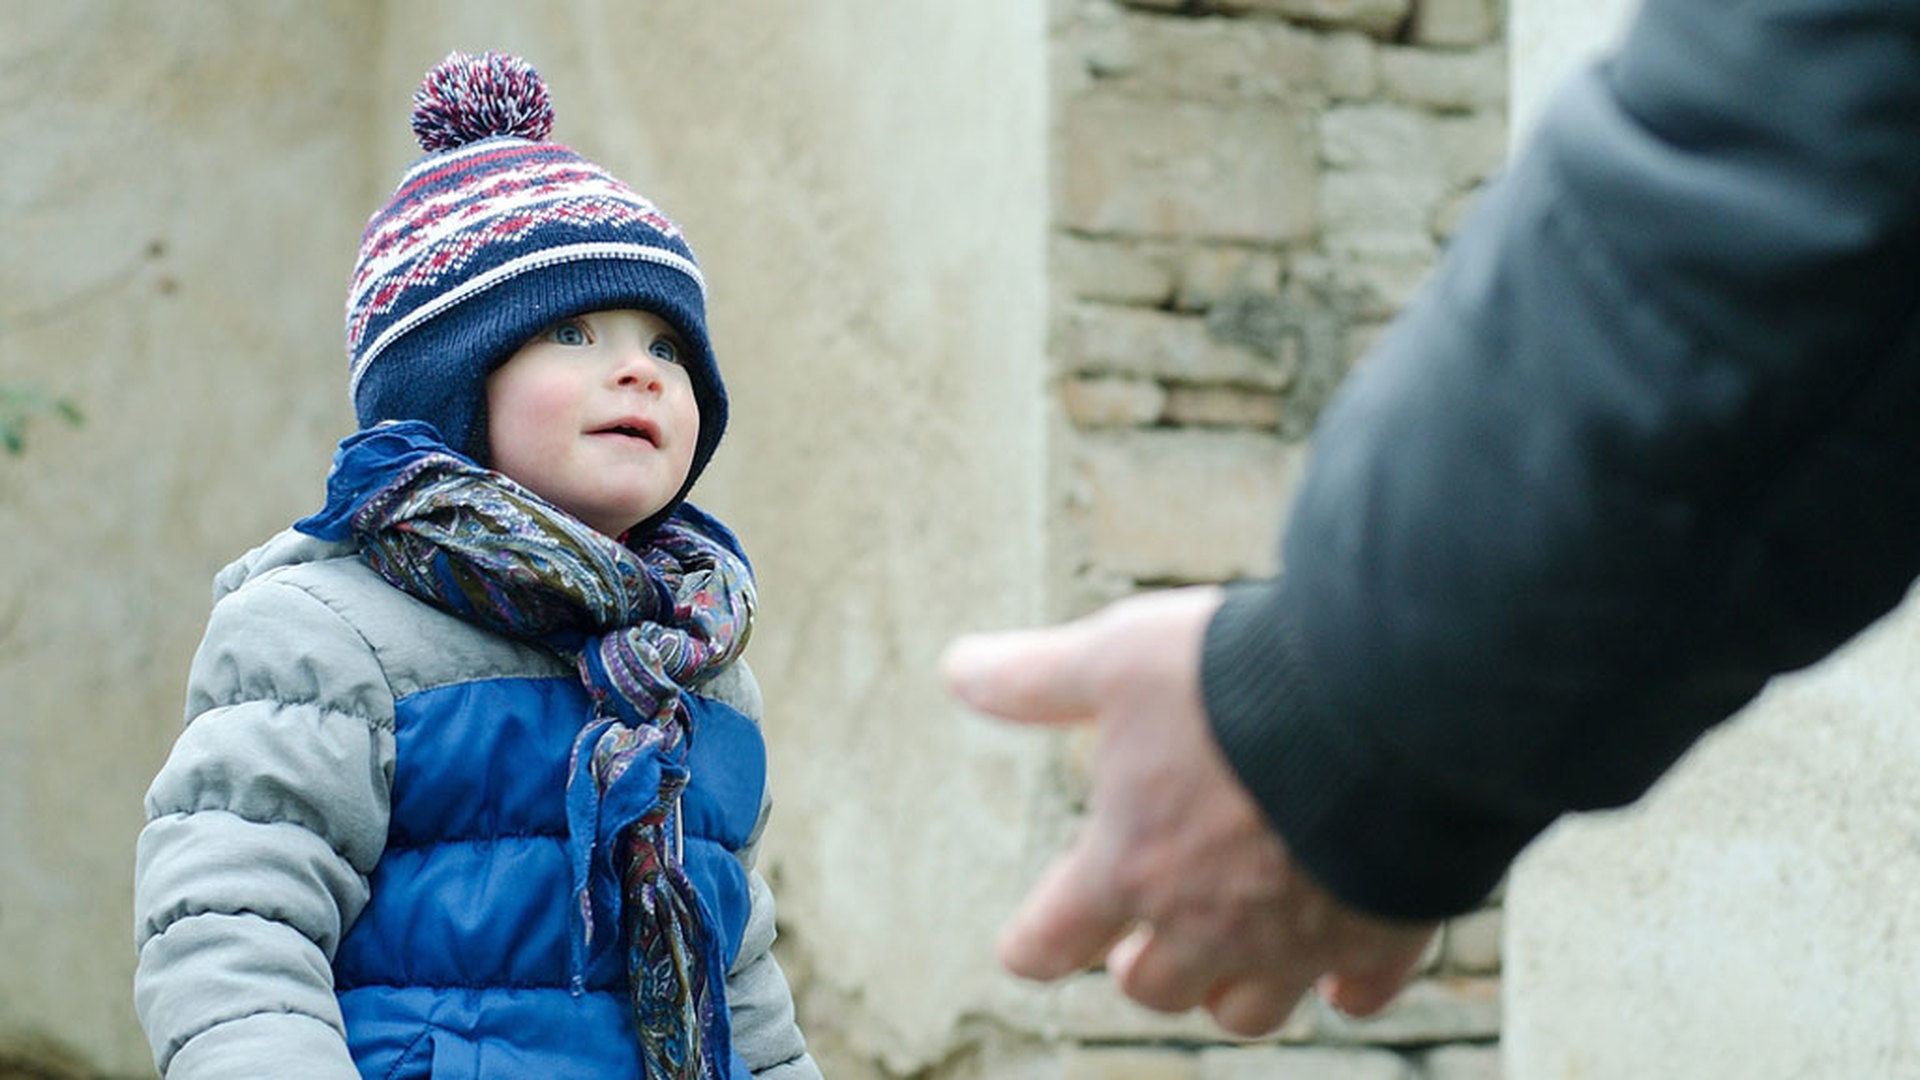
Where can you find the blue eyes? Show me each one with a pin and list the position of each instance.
(567, 333)
(574, 333)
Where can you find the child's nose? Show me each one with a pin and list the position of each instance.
(636, 367)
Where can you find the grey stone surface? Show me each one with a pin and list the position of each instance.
(1214, 406)
(1209, 274)
(1473, 942)
(1381, 18)
(1351, 65)
(1301, 1063)
(1304, 331)
(1102, 339)
(1452, 22)
(1217, 60)
(1156, 168)
(1114, 271)
(1181, 505)
(1401, 141)
(1430, 1010)
(1106, 401)
(1132, 1063)
(1378, 272)
(1379, 215)
(1453, 81)
(1090, 1008)
(1461, 1062)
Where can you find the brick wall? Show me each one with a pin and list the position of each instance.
(1245, 192)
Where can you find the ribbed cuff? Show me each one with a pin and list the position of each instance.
(1362, 824)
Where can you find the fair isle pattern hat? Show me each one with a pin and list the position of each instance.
(491, 238)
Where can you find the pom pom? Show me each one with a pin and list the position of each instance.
(468, 98)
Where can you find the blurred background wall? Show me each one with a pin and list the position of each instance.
(181, 193)
(179, 189)
(1023, 306)
(1007, 296)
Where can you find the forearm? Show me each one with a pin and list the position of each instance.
(1627, 457)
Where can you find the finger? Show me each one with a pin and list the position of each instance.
(1360, 995)
(1250, 1008)
(1065, 924)
(1121, 958)
(1158, 972)
(1029, 676)
(1365, 992)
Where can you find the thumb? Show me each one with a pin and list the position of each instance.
(1028, 676)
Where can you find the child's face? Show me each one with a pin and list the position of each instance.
(597, 415)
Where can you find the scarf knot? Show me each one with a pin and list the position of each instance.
(640, 623)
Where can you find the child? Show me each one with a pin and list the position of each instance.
(472, 779)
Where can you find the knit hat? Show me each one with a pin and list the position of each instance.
(491, 238)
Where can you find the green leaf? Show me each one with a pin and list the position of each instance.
(20, 403)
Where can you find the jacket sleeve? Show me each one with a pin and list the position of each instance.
(765, 1033)
(1645, 440)
(262, 827)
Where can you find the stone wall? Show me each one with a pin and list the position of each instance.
(1244, 193)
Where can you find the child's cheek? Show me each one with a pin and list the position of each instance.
(534, 408)
(547, 403)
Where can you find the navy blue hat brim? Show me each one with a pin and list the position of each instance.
(437, 371)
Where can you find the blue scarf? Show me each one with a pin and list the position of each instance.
(639, 624)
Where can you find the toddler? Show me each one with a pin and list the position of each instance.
(472, 776)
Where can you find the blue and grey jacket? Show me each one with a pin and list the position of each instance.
(357, 861)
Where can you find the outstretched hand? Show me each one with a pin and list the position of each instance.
(1176, 878)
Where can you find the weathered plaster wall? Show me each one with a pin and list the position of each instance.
(1753, 916)
(175, 186)
(180, 195)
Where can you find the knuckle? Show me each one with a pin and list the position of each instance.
(1156, 989)
(1250, 1009)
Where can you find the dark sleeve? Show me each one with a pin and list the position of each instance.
(1650, 436)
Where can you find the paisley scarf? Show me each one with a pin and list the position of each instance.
(639, 624)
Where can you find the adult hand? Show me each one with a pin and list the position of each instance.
(1176, 877)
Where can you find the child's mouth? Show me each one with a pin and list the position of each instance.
(645, 433)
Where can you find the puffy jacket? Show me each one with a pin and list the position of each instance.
(1650, 436)
(357, 859)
